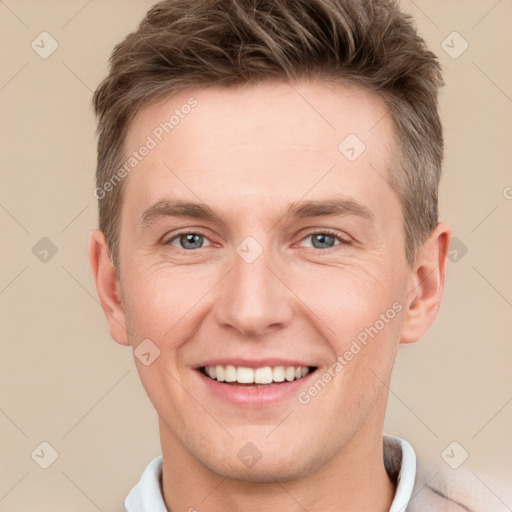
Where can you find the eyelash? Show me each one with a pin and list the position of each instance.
(328, 232)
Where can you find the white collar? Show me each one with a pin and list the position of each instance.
(406, 469)
(146, 496)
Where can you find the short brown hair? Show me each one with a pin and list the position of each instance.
(185, 44)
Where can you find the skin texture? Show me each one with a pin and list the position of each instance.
(248, 154)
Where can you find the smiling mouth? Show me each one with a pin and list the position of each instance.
(256, 377)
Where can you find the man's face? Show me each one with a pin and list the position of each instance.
(256, 287)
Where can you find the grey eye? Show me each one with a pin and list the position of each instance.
(189, 240)
(322, 240)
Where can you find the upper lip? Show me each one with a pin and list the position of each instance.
(253, 363)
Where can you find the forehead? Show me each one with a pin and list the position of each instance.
(280, 139)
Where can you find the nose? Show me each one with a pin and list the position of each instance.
(253, 298)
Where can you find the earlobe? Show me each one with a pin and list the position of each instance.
(427, 284)
(108, 286)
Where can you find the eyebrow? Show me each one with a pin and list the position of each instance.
(296, 210)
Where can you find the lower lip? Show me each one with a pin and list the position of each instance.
(255, 397)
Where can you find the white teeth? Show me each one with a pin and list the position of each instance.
(244, 375)
(263, 375)
(289, 373)
(230, 373)
(210, 371)
(278, 374)
(219, 370)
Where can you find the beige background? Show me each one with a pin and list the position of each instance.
(64, 381)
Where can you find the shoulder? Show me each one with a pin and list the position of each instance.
(438, 489)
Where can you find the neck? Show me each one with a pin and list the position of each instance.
(354, 479)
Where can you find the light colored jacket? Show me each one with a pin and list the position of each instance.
(439, 488)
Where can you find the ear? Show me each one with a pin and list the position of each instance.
(108, 286)
(426, 284)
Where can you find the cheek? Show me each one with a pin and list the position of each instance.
(361, 313)
(164, 304)
(349, 298)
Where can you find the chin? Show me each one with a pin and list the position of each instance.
(270, 465)
(263, 472)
